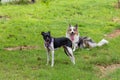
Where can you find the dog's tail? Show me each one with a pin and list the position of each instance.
(102, 42)
(99, 44)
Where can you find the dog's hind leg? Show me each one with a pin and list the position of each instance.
(70, 53)
(65, 50)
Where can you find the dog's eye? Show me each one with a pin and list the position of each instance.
(69, 29)
(75, 30)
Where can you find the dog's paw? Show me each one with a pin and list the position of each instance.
(52, 65)
(73, 50)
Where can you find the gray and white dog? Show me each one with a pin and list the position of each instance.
(89, 43)
(82, 42)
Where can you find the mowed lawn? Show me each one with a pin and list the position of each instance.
(21, 25)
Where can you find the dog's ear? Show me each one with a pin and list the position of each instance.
(42, 33)
(49, 32)
(76, 26)
(69, 25)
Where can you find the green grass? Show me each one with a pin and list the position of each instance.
(22, 25)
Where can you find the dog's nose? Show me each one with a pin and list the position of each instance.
(72, 32)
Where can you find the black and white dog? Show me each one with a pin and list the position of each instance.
(52, 43)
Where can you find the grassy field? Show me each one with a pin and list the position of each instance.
(22, 24)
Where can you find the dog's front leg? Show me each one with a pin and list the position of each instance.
(75, 46)
(52, 64)
(48, 57)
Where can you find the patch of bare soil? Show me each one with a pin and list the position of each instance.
(5, 17)
(116, 19)
(21, 48)
(114, 34)
(105, 70)
(116, 5)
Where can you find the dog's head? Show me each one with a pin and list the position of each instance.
(46, 36)
(72, 31)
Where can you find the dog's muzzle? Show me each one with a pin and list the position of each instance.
(72, 32)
